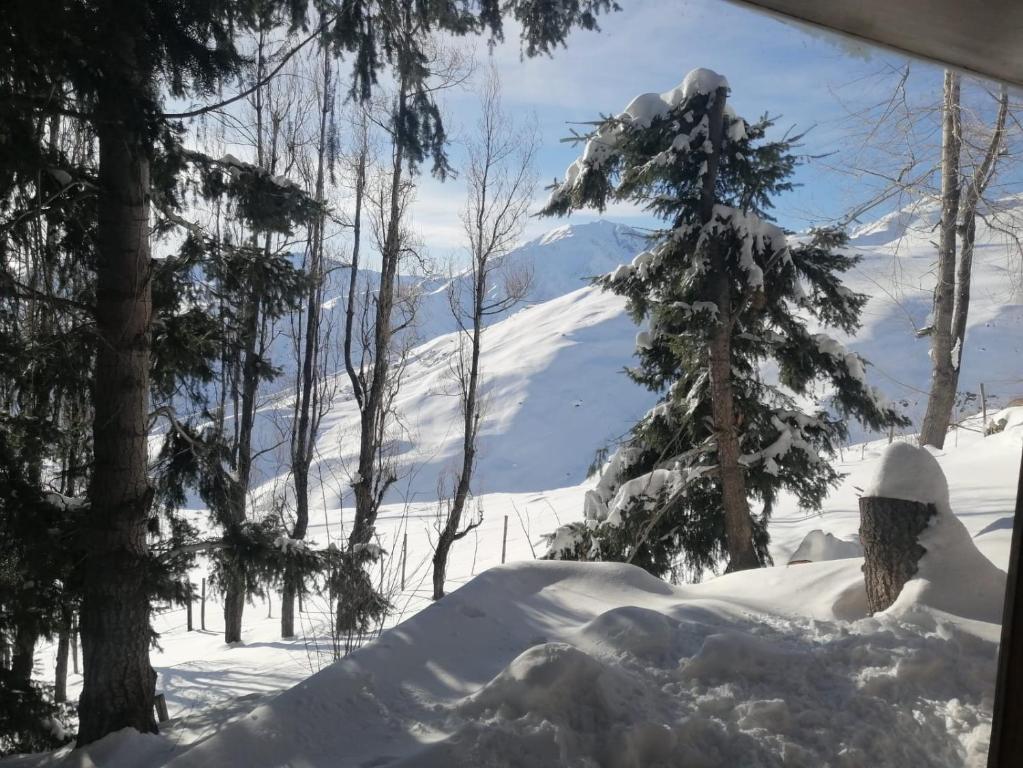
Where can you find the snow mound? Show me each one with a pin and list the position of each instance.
(909, 473)
(541, 664)
(818, 546)
(730, 655)
(953, 576)
(556, 682)
(642, 632)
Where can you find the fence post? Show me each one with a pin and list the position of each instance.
(188, 603)
(404, 556)
(983, 410)
(504, 540)
(160, 704)
(202, 607)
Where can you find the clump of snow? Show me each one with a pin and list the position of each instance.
(287, 544)
(646, 108)
(66, 503)
(631, 629)
(699, 81)
(818, 547)
(643, 110)
(826, 345)
(953, 576)
(648, 487)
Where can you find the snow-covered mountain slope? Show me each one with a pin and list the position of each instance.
(556, 664)
(552, 370)
(552, 383)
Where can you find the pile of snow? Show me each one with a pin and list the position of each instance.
(953, 576)
(572, 664)
(527, 664)
(819, 546)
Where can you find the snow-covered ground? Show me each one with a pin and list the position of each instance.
(539, 663)
(544, 664)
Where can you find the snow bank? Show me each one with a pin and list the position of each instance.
(953, 576)
(819, 546)
(586, 664)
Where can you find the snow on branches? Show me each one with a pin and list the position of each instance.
(720, 279)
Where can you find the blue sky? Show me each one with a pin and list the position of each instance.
(807, 78)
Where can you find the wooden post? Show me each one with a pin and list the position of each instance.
(74, 643)
(1006, 736)
(188, 605)
(889, 529)
(983, 410)
(202, 607)
(504, 540)
(404, 556)
(160, 704)
(891, 434)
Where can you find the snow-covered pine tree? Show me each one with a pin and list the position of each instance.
(725, 296)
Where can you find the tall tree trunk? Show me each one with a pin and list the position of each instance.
(119, 682)
(63, 651)
(738, 524)
(449, 534)
(23, 656)
(944, 370)
(369, 487)
(304, 437)
(235, 586)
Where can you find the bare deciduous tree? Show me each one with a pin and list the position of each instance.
(959, 209)
(501, 182)
(914, 151)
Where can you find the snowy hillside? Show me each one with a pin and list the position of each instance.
(552, 370)
(553, 387)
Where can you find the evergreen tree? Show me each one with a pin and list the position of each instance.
(724, 294)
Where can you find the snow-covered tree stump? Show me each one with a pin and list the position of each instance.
(889, 529)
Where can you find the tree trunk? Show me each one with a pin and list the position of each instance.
(63, 651)
(304, 437)
(24, 654)
(119, 682)
(738, 524)
(944, 370)
(370, 487)
(889, 529)
(234, 606)
(288, 594)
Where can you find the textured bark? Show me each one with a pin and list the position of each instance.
(63, 651)
(114, 621)
(288, 594)
(944, 374)
(23, 654)
(889, 529)
(735, 506)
